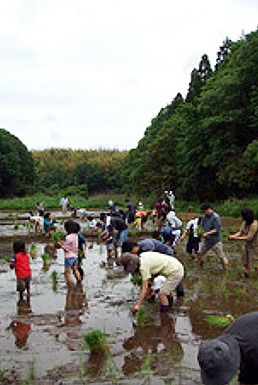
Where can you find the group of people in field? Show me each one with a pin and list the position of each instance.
(156, 260)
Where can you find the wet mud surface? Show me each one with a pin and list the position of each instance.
(41, 341)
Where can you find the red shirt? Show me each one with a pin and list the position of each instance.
(22, 265)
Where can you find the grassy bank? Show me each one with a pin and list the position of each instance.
(52, 202)
(230, 207)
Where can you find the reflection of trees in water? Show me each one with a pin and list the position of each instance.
(159, 341)
(218, 296)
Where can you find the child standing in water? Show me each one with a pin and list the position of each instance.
(21, 264)
(70, 247)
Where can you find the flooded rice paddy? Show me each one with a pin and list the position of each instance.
(41, 341)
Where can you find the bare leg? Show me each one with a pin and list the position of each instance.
(163, 299)
(76, 273)
(224, 262)
(68, 275)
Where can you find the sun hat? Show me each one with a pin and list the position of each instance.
(130, 262)
(219, 360)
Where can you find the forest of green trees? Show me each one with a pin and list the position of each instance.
(203, 146)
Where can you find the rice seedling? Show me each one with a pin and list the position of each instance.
(54, 276)
(136, 280)
(56, 236)
(134, 233)
(222, 321)
(96, 341)
(33, 250)
(144, 316)
(46, 260)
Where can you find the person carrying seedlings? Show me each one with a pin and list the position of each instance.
(118, 225)
(150, 264)
(49, 224)
(248, 233)
(151, 244)
(70, 247)
(21, 264)
(236, 350)
(192, 246)
(211, 224)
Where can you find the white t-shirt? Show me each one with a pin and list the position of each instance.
(194, 223)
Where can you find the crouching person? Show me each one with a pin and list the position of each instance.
(234, 351)
(150, 264)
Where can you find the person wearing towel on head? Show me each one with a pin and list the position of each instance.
(236, 349)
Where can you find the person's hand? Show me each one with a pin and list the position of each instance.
(136, 309)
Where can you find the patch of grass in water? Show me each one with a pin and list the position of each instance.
(219, 320)
(96, 341)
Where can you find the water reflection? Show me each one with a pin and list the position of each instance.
(159, 341)
(21, 330)
(76, 304)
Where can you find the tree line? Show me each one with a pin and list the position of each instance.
(203, 146)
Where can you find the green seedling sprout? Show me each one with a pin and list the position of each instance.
(219, 320)
(96, 341)
(33, 250)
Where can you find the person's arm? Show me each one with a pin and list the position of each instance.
(61, 244)
(183, 235)
(13, 262)
(143, 294)
(235, 236)
(211, 232)
(250, 235)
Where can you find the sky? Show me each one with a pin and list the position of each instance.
(92, 74)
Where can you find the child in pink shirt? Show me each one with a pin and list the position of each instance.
(70, 246)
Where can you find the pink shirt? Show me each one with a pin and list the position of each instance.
(71, 246)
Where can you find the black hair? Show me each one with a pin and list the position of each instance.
(19, 247)
(127, 246)
(205, 206)
(102, 216)
(247, 215)
(71, 227)
(156, 234)
(77, 227)
(47, 215)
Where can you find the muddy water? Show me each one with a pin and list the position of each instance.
(43, 338)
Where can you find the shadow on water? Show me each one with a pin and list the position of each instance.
(49, 328)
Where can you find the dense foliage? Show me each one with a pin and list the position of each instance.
(16, 166)
(206, 145)
(79, 171)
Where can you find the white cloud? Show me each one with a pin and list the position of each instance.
(91, 74)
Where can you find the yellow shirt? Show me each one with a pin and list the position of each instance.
(153, 263)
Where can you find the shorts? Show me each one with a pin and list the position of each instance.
(71, 262)
(217, 248)
(172, 281)
(23, 284)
